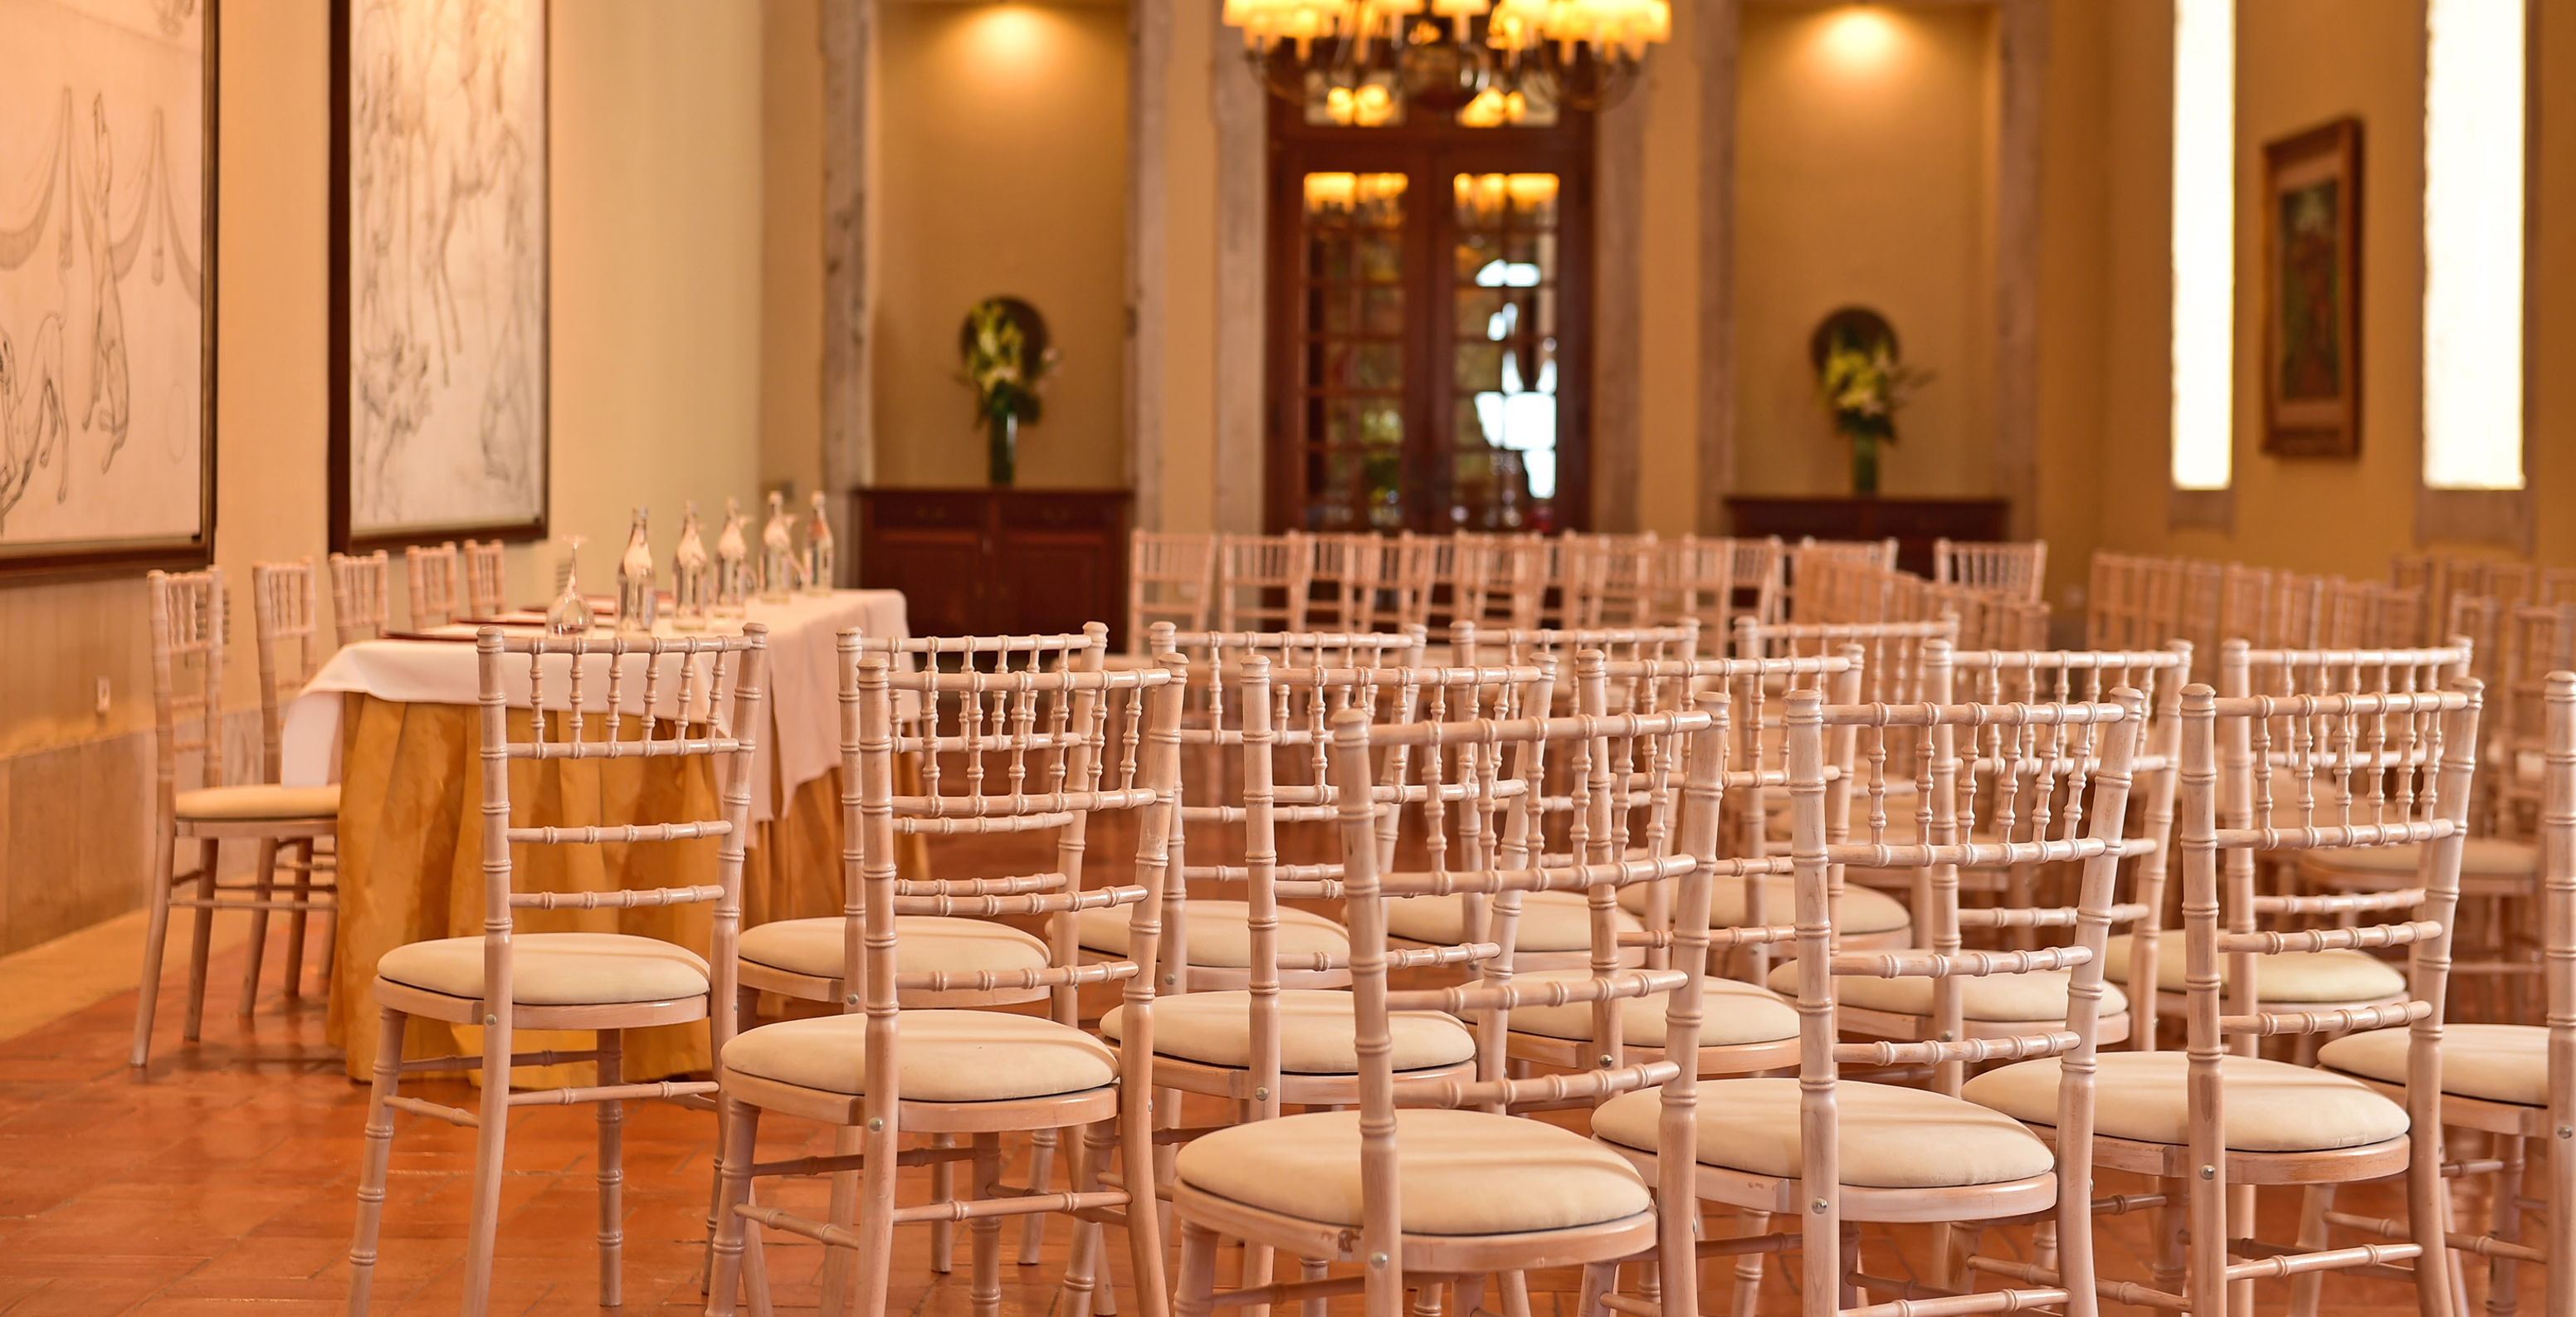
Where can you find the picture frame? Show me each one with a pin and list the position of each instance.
(439, 376)
(2311, 360)
(108, 139)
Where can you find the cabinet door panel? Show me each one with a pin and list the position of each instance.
(1056, 583)
(941, 576)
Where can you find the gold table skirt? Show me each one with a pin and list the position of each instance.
(410, 846)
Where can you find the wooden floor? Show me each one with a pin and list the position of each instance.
(222, 1181)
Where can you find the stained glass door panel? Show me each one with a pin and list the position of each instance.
(1349, 410)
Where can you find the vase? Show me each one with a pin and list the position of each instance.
(1003, 455)
(1864, 465)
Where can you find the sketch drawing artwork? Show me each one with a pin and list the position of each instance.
(105, 423)
(440, 411)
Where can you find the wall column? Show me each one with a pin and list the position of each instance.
(2024, 64)
(1717, 23)
(849, 433)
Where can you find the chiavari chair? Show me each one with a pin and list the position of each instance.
(1170, 578)
(622, 698)
(1340, 570)
(486, 582)
(287, 623)
(1796, 558)
(2372, 766)
(189, 620)
(432, 574)
(2018, 568)
(1833, 1152)
(883, 1067)
(1431, 1182)
(1715, 581)
(361, 599)
(1501, 580)
(1614, 581)
(1262, 582)
(2516, 1083)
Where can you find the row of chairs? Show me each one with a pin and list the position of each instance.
(2139, 599)
(445, 583)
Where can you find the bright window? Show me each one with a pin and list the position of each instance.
(2473, 220)
(2204, 242)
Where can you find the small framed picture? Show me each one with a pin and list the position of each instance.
(2312, 292)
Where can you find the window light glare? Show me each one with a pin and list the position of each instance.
(2473, 244)
(2204, 242)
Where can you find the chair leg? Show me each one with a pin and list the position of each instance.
(875, 1225)
(1197, 1288)
(985, 1295)
(1748, 1268)
(492, 1133)
(2171, 1267)
(943, 1189)
(1312, 1269)
(612, 1171)
(373, 1158)
(1103, 1141)
(724, 1277)
(1598, 1278)
(147, 994)
(2501, 1273)
(296, 923)
(209, 852)
(1470, 1294)
(1042, 1145)
(743, 1004)
(1516, 1300)
(1083, 1259)
(840, 1263)
(263, 891)
(2308, 1287)
(2240, 1225)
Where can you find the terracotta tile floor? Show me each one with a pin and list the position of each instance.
(221, 1181)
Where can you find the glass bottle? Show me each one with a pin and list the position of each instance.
(819, 550)
(733, 563)
(636, 604)
(570, 614)
(777, 553)
(691, 588)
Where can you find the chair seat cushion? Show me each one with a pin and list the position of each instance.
(2291, 978)
(554, 969)
(1316, 1035)
(2140, 1096)
(1458, 1172)
(1550, 921)
(923, 943)
(254, 803)
(1221, 934)
(2480, 857)
(1865, 913)
(1731, 1013)
(1887, 1137)
(1995, 998)
(2494, 1062)
(947, 1056)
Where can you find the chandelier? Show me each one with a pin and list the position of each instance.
(1473, 58)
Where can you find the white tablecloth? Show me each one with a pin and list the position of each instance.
(804, 736)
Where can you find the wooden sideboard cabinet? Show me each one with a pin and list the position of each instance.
(1914, 523)
(983, 562)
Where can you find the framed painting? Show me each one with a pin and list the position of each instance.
(107, 286)
(2312, 292)
(438, 341)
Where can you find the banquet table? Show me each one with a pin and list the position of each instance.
(395, 720)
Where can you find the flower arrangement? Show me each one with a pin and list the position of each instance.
(1862, 385)
(1004, 359)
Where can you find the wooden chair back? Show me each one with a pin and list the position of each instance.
(1422, 581)
(2311, 750)
(1612, 578)
(290, 645)
(486, 593)
(2538, 641)
(1798, 557)
(361, 596)
(1502, 580)
(1170, 578)
(2064, 741)
(1262, 582)
(2016, 568)
(189, 625)
(1594, 860)
(432, 574)
(1341, 581)
(1716, 581)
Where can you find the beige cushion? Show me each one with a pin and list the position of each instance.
(1221, 933)
(1887, 1137)
(947, 1056)
(1315, 1032)
(554, 969)
(1864, 913)
(2496, 1062)
(2140, 1096)
(2293, 978)
(1458, 1172)
(258, 802)
(1550, 921)
(923, 944)
(2480, 857)
(1997, 998)
(1731, 1013)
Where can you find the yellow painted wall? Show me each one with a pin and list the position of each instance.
(791, 244)
(1668, 295)
(1002, 170)
(1865, 174)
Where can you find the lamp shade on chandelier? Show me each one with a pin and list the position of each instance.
(1443, 56)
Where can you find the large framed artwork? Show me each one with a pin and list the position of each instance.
(107, 285)
(2312, 292)
(438, 371)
